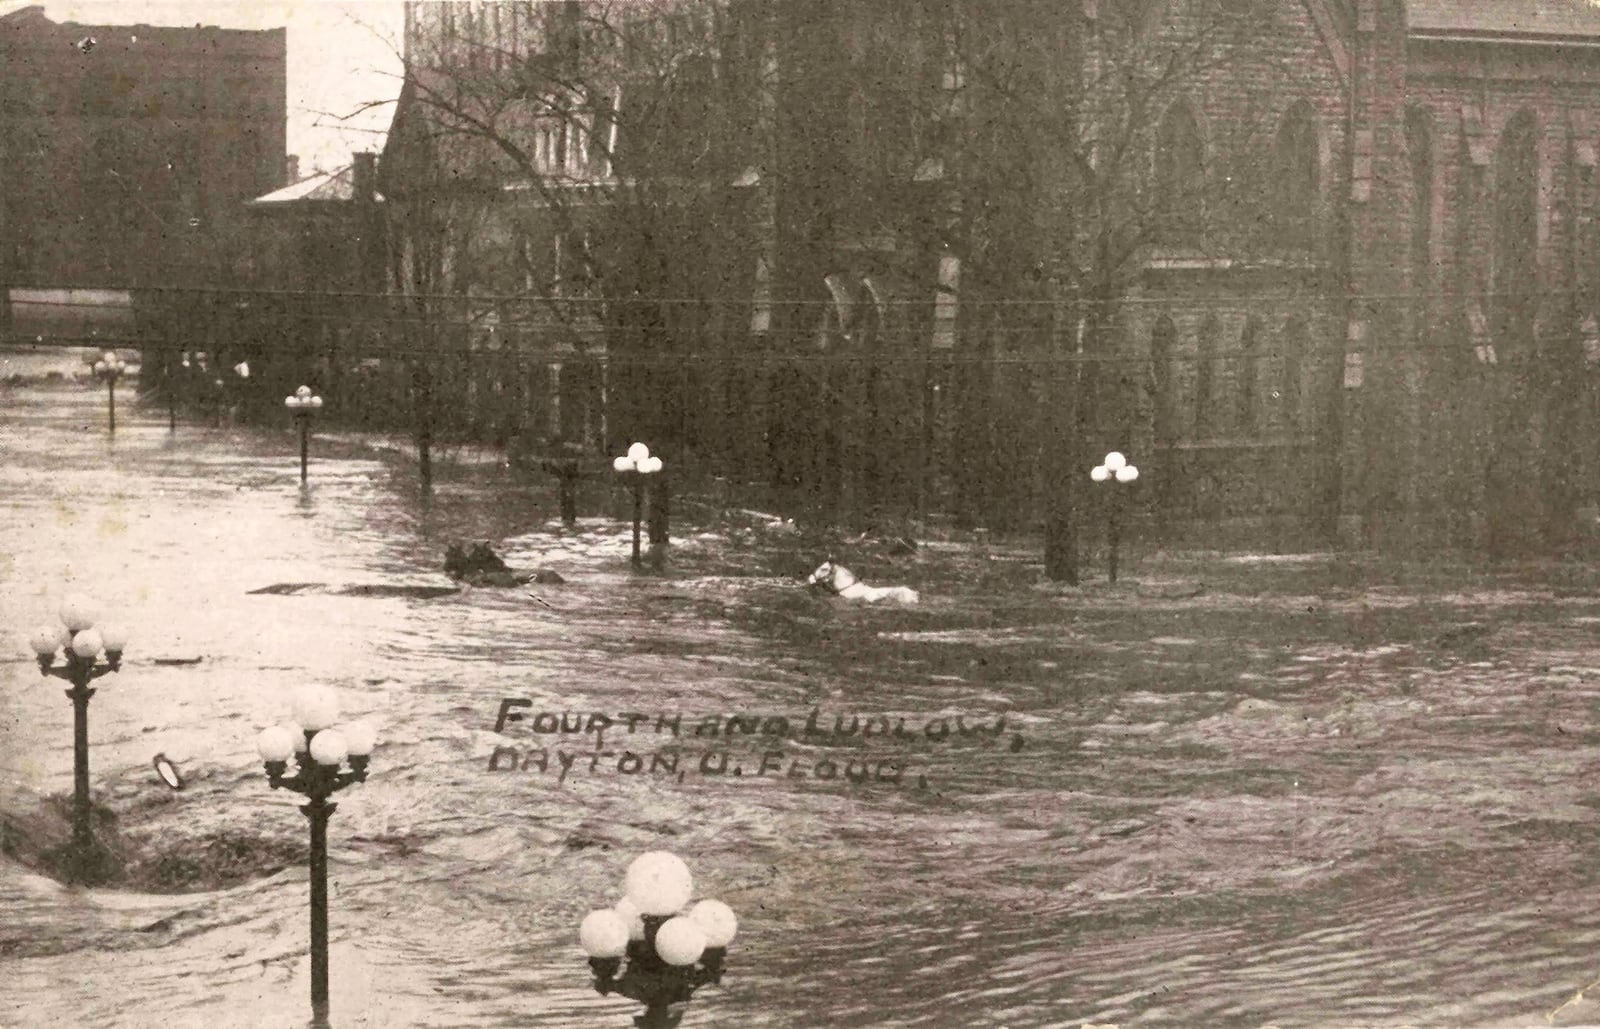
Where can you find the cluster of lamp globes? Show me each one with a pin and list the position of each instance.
(303, 400)
(658, 884)
(81, 635)
(1114, 465)
(109, 366)
(638, 459)
(315, 709)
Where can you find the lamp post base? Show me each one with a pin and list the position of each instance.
(638, 517)
(658, 1017)
(91, 864)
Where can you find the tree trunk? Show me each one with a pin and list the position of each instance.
(1065, 443)
(422, 419)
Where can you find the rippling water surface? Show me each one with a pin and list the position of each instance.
(1292, 798)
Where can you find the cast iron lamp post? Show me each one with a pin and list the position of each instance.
(1115, 466)
(318, 750)
(303, 404)
(638, 464)
(671, 952)
(110, 367)
(81, 642)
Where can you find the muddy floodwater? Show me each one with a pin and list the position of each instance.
(1297, 790)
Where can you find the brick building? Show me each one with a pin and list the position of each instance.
(128, 151)
(1308, 257)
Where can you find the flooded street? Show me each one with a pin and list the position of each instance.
(1229, 792)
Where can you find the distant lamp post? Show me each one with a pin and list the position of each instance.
(671, 952)
(110, 367)
(638, 465)
(318, 751)
(81, 642)
(1114, 467)
(303, 405)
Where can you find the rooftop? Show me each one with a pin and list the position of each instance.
(324, 186)
(31, 24)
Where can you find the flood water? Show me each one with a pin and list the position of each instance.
(1278, 792)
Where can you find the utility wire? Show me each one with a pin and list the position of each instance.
(623, 359)
(1228, 300)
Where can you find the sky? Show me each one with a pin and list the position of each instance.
(342, 54)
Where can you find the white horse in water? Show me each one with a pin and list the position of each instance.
(842, 582)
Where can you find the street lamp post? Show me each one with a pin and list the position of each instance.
(81, 642)
(1114, 467)
(110, 367)
(671, 951)
(638, 464)
(303, 404)
(318, 750)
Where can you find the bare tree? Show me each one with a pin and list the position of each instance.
(1071, 176)
(631, 155)
(558, 154)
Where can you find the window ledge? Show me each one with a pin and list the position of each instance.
(1178, 261)
(1244, 443)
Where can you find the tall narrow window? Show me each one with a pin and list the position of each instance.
(1249, 364)
(1205, 376)
(1162, 338)
(1516, 232)
(1296, 344)
(946, 302)
(602, 136)
(497, 35)
(1419, 155)
(1179, 175)
(1297, 178)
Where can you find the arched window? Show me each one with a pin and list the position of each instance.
(1516, 230)
(1205, 376)
(1297, 178)
(1291, 391)
(1162, 338)
(1179, 175)
(1249, 374)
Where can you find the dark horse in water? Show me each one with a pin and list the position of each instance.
(481, 566)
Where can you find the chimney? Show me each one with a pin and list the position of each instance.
(291, 169)
(364, 177)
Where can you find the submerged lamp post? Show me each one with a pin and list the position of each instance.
(318, 751)
(1114, 467)
(671, 952)
(110, 367)
(81, 642)
(303, 404)
(638, 464)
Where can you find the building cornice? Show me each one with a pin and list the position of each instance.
(1468, 38)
